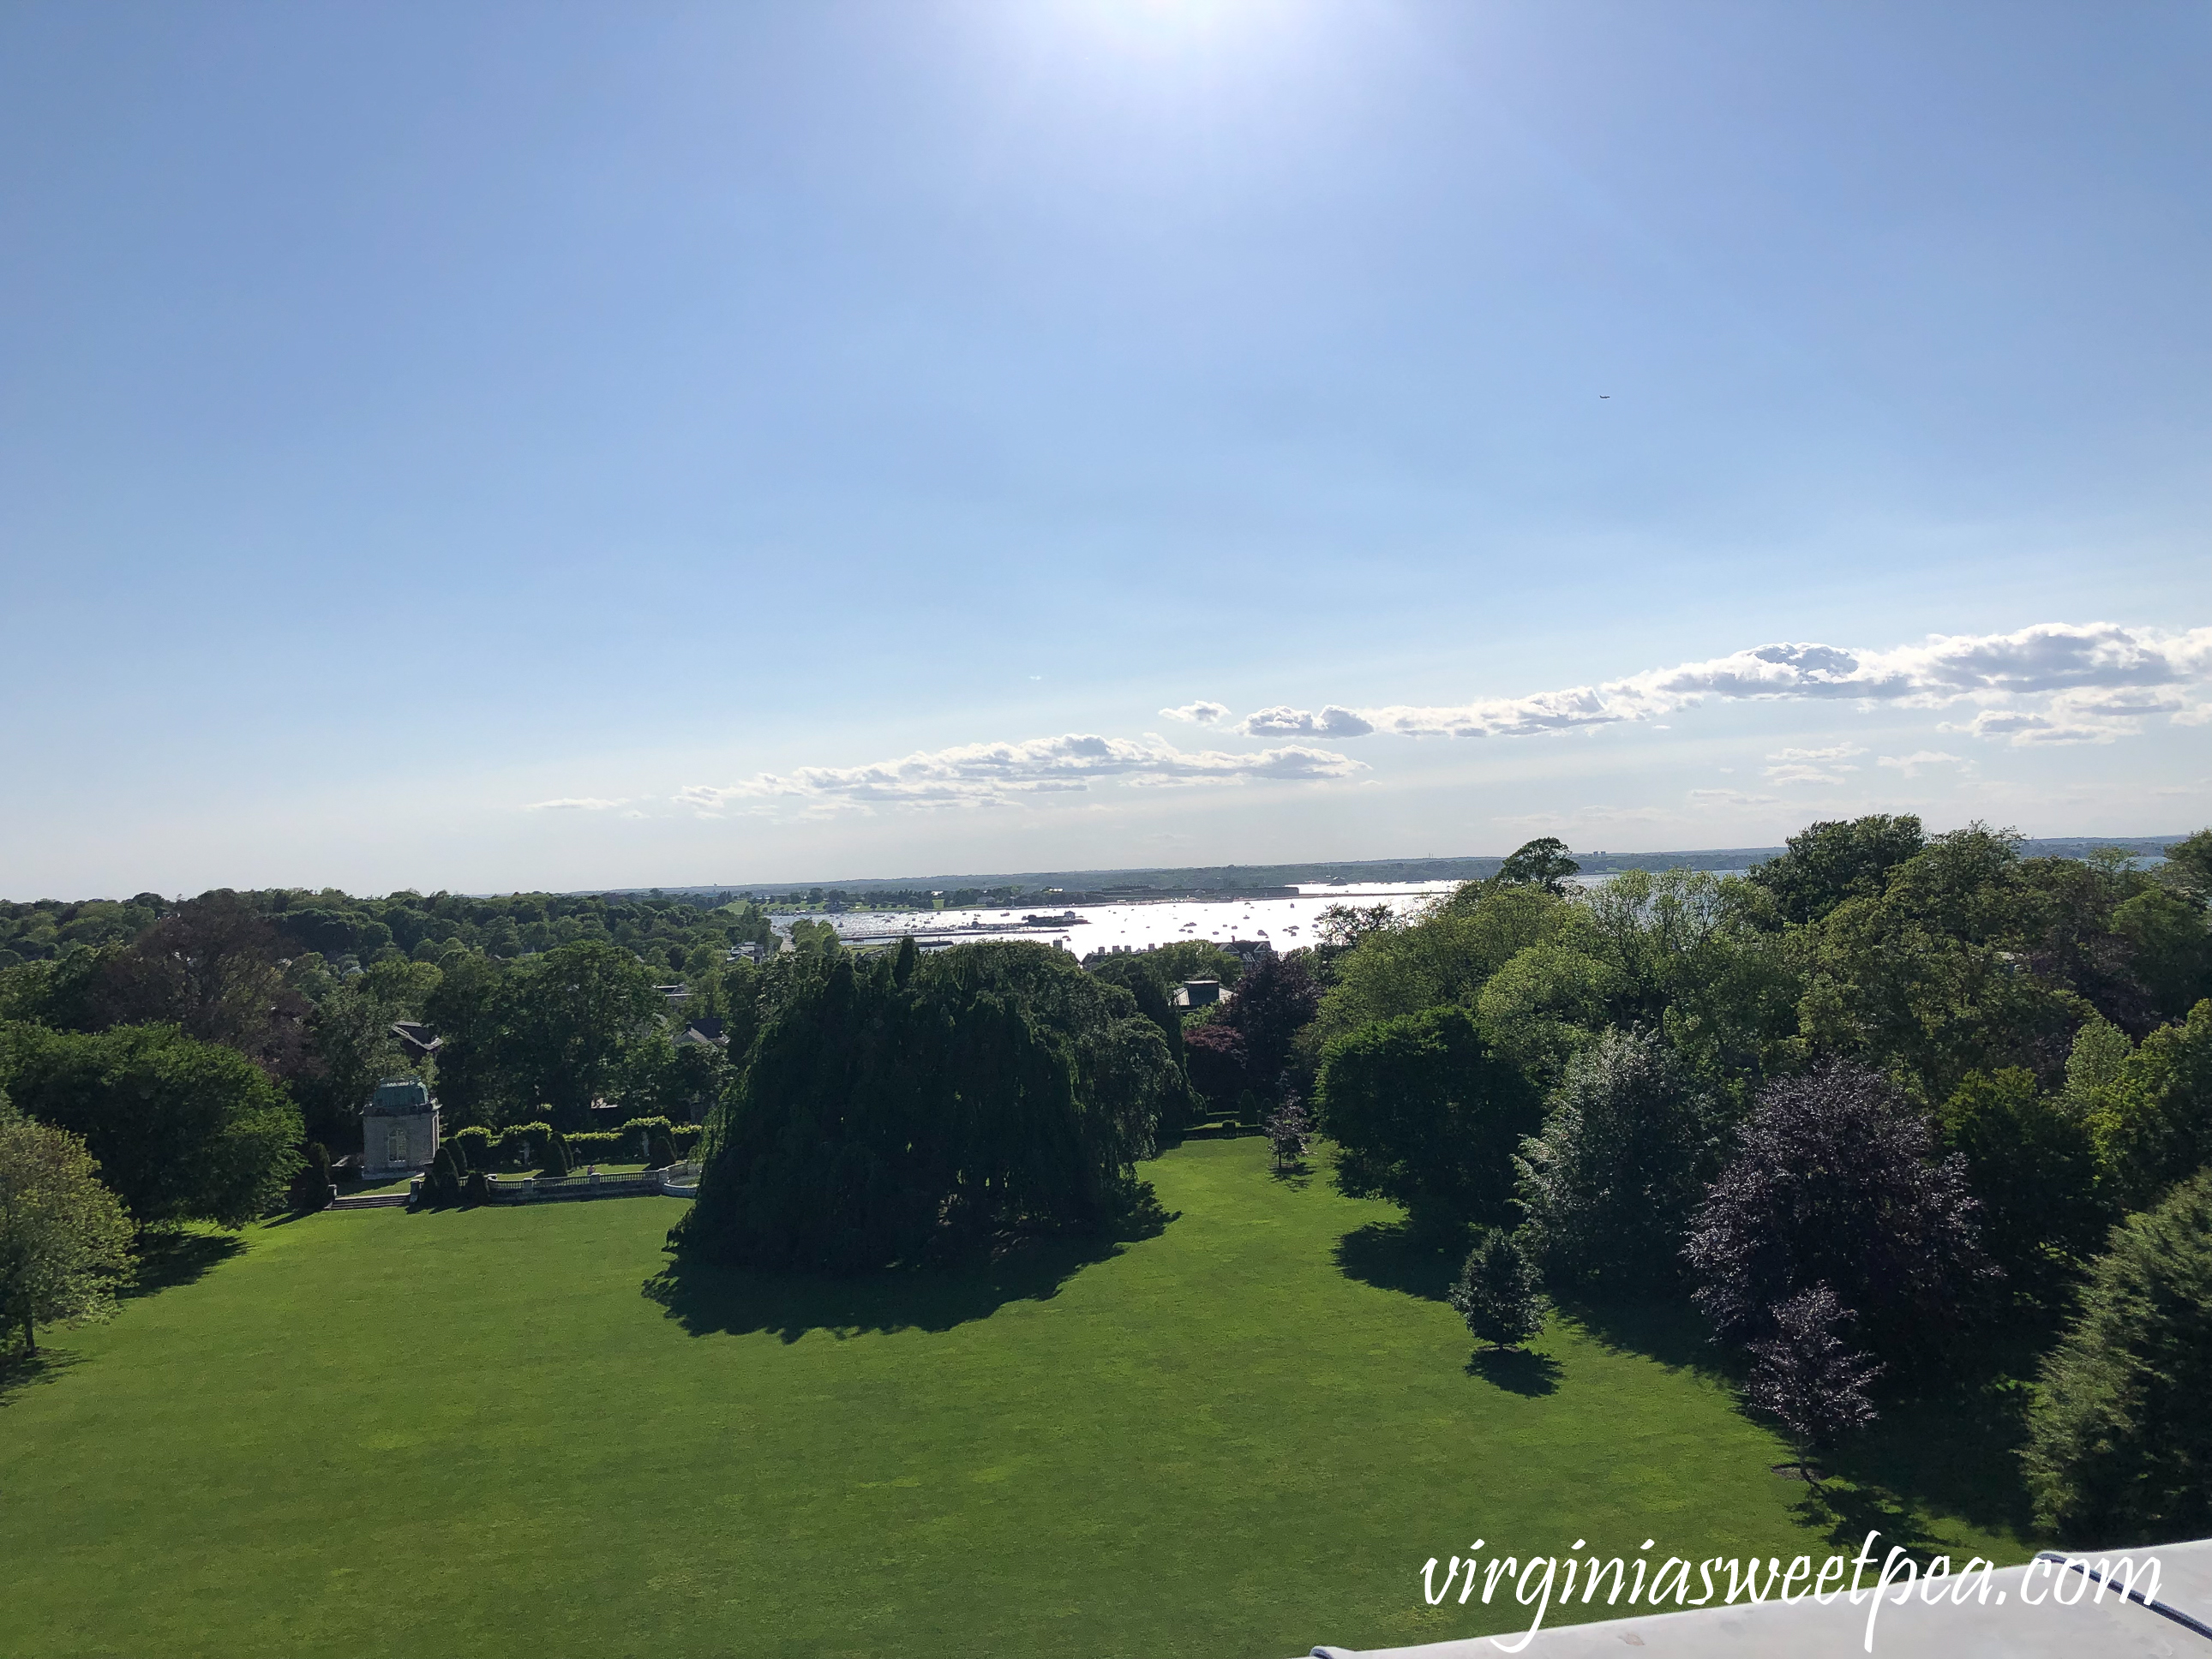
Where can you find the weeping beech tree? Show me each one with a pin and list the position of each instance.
(890, 1107)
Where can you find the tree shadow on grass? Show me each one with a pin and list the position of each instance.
(166, 1260)
(1663, 1327)
(1954, 1449)
(1297, 1175)
(1391, 1257)
(19, 1370)
(1517, 1370)
(708, 1299)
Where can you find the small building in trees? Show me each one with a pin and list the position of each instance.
(1199, 994)
(398, 1128)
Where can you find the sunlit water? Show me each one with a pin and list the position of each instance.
(1288, 924)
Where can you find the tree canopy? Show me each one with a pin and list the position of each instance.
(64, 1240)
(183, 1130)
(1000, 1088)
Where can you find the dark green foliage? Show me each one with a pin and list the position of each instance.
(1426, 1115)
(2151, 1124)
(311, 1187)
(902, 965)
(2030, 1166)
(661, 1153)
(1214, 1055)
(476, 1189)
(441, 1183)
(472, 1147)
(1273, 1003)
(184, 1130)
(1144, 975)
(1829, 862)
(1001, 1087)
(2120, 1441)
(1833, 1183)
(1609, 1184)
(1500, 1290)
(1543, 863)
(580, 1023)
(557, 1161)
(1805, 1375)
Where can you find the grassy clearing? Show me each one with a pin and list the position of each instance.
(373, 1432)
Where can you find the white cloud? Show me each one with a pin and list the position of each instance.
(1285, 721)
(1731, 797)
(1836, 751)
(2097, 677)
(1920, 759)
(572, 804)
(1201, 713)
(985, 774)
(1797, 773)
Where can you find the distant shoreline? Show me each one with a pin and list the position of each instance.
(1103, 885)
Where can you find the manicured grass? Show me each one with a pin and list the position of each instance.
(469, 1431)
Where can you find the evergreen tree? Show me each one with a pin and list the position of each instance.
(2119, 1446)
(1499, 1291)
(1611, 1181)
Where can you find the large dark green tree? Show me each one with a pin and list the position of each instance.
(1829, 862)
(1426, 1115)
(999, 1087)
(183, 1130)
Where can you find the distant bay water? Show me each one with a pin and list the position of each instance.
(1286, 923)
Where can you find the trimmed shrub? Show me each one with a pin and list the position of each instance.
(476, 1189)
(471, 1146)
(600, 1146)
(519, 1144)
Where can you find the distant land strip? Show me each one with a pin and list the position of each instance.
(1104, 884)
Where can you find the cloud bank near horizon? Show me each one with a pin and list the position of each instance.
(985, 773)
(2054, 683)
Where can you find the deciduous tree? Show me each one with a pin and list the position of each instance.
(64, 1240)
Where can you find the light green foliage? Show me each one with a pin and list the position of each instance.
(2120, 1444)
(2152, 1123)
(64, 1240)
(2030, 1164)
(184, 1130)
(1548, 1001)
(1443, 958)
(1927, 979)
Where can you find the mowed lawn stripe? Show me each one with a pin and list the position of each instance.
(382, 1433)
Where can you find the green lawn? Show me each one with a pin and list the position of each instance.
(469, 1431)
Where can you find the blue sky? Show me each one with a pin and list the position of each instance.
(572, 446)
